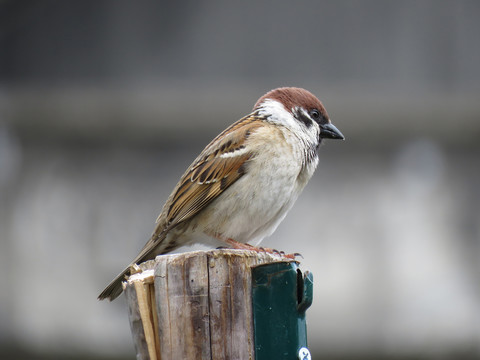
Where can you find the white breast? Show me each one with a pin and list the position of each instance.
(253, 207)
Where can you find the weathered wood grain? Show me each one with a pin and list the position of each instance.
(183, 314)
(138, 291)
(200, 307)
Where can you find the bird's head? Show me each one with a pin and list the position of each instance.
(300, 111)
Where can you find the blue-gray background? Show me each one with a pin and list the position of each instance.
(103, 104)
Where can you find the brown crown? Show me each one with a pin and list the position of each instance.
(292, 97)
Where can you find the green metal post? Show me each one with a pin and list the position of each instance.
(280, 296)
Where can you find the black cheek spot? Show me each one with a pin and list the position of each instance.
(300, 116)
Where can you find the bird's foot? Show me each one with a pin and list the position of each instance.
(241, 246)
(244, 246)
(280, 253)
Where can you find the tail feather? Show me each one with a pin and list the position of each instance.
(114, 289)
(155, 246)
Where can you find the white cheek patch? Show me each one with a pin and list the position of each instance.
(277, 114)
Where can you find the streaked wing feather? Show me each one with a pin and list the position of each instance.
(210, 175)
(206, 179)
(197, 191)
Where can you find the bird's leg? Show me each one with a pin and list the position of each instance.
(280, 253)
(238, 245)
(244, 246)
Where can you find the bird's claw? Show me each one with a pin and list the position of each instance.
(279, 253)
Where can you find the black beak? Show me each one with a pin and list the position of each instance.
(329, 131)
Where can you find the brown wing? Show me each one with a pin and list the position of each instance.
(219, 165)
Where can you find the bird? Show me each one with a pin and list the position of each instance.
(241, 186)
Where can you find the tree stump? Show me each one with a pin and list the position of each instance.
(195, 305)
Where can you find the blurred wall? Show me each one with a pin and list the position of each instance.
(103, 105)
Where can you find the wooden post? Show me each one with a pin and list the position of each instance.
(195, 305)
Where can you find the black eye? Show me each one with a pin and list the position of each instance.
(315, 114)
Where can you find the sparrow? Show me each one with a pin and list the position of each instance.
(241, 186)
